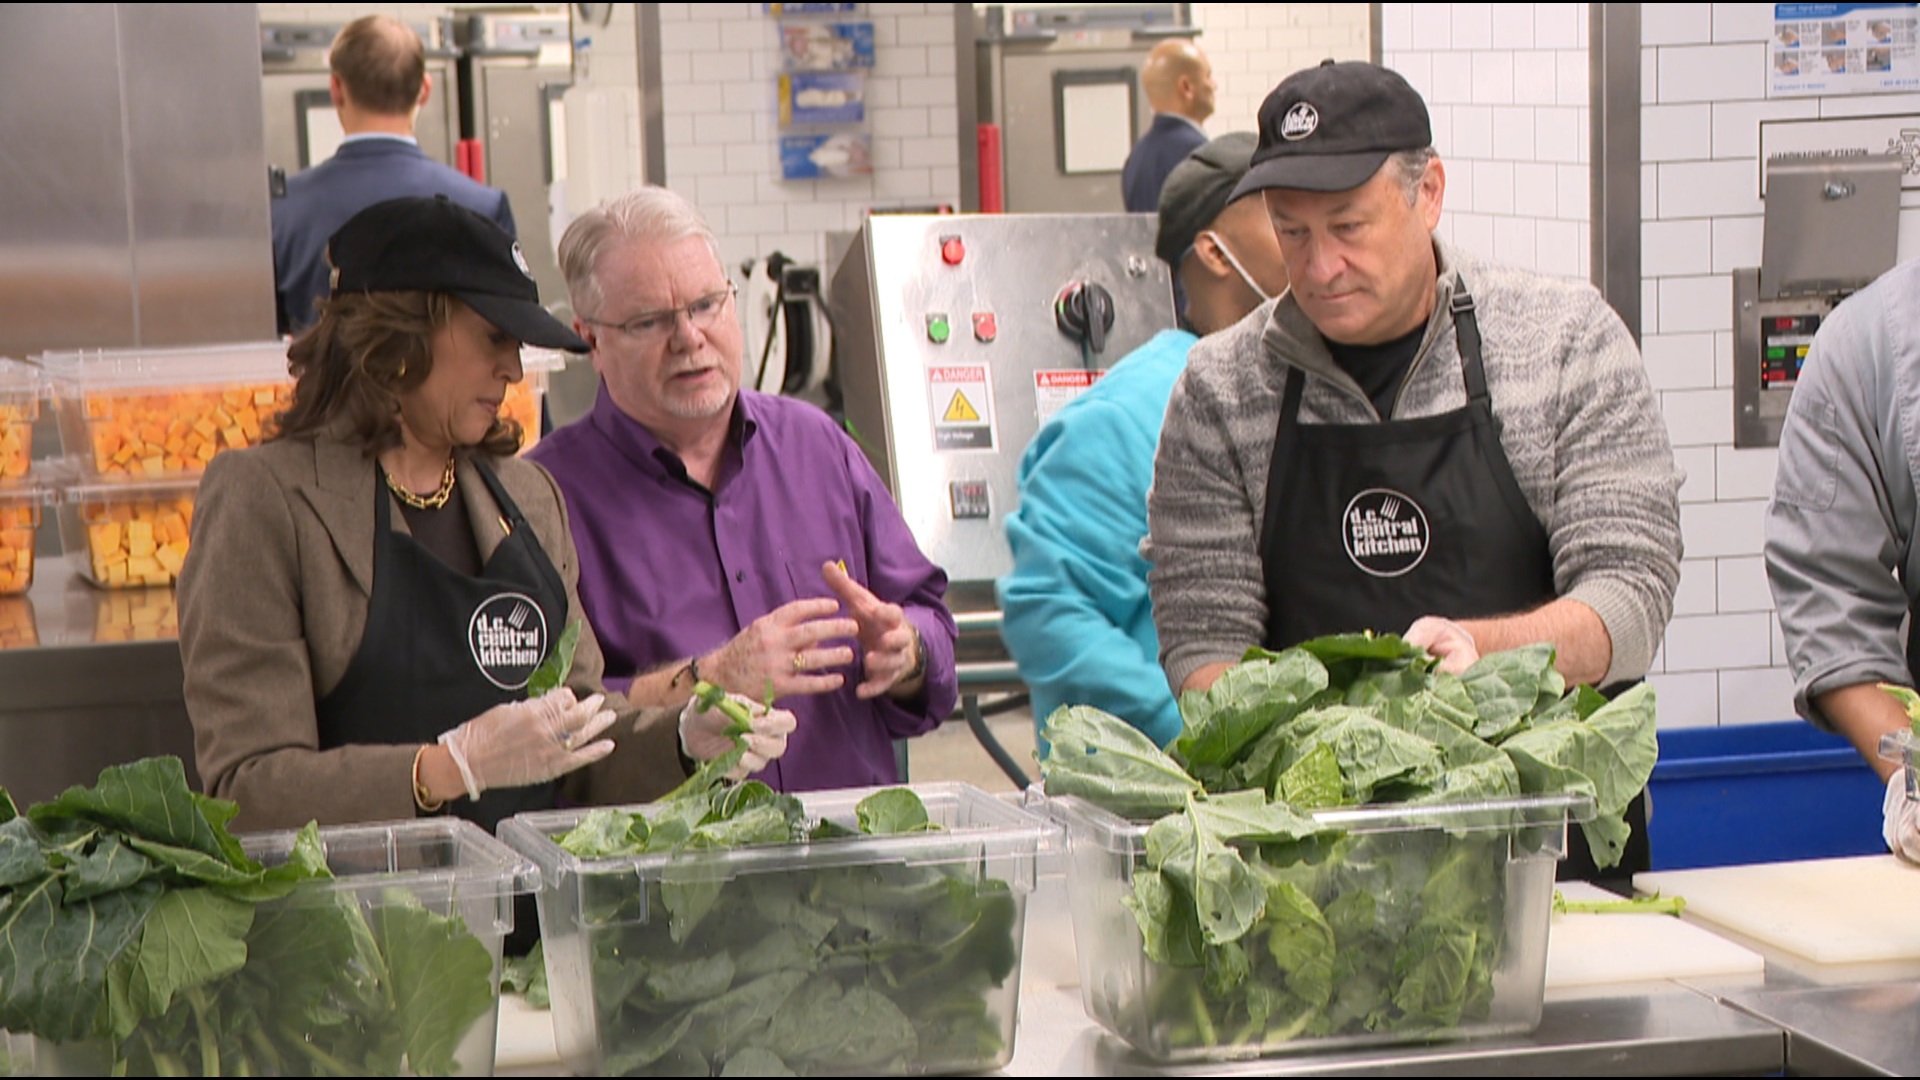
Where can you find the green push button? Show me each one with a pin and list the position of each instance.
(1776, 353)
(938, 330)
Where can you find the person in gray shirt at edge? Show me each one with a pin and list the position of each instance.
(1839, 550)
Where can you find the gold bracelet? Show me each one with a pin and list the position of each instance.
(423, 798)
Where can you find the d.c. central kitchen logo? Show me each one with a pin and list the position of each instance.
(1385, 532)
(508, 635)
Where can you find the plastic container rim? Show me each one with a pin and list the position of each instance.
(1007, 831)
(486, 867)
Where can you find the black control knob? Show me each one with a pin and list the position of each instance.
(1084, 311)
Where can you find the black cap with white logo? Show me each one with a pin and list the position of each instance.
(1330, 128)
(437, 245)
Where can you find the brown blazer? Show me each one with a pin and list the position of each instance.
(273, 602)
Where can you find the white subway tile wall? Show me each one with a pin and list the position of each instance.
(1507, 87)
(1253, 46)
(1712, 57)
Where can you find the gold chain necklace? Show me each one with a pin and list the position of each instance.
(424, 502)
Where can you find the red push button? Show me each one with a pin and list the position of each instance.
(952, 250)
(985, 326)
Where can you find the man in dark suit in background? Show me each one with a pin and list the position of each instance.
(1180, 88)
(378, 84)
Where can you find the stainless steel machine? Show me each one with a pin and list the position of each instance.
(1063, 84)
(955, 338)
(1832, 227)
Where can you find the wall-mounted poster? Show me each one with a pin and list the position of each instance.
(1843, 49)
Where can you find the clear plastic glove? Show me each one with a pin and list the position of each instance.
(704, 734)
(529, 742)
(1449, 641)
(1900, 819)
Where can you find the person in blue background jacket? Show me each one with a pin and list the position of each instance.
(1075, 608)
(378, 82)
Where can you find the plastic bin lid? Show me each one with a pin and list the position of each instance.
(18, 380)
(425, 857)
(976, 825)
(70, 482)
(115, 369)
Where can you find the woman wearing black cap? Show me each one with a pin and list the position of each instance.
(367, 593)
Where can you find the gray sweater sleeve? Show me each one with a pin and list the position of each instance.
(1843, 503)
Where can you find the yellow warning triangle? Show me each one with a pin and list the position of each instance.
(960, 410)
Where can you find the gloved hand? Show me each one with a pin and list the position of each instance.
(1900, 819)
(704, 735)
(1445, 639)
(529, 742)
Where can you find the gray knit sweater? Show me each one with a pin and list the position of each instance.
(1582, 431)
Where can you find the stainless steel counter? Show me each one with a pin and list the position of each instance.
(1845, 1030)
(88, 678)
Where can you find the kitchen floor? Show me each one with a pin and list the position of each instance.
(952, 753)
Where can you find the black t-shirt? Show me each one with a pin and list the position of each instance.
(1379, 369)
(447, 532)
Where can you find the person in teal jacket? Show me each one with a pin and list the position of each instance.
(1076, 616)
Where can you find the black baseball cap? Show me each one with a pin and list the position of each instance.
(437, 245)
(1330, 128)
(1197, 190)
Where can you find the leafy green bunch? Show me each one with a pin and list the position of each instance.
(132, 919)
(855, 966)
(1273, 926)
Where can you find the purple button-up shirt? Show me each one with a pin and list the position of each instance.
(669, 570)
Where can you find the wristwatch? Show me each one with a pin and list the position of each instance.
(919, 667)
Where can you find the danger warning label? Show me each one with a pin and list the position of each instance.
(962, 401)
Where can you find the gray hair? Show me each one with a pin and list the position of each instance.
(1410, 167)
(651, 214)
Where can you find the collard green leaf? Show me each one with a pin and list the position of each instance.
(1313, 781)
(557, 664)
(150, 798)
(1369, 752)
(56, 956)
(1108, 762)
(893, 810)
(1507, 686)
(190, 938)
(527, 976)
(1167, 920)
(1227, 896)
(756, 1061)
(695, 979)
(23, 855)
(604, 833)
(827, 1029)
(1246, 701)
(441, 975)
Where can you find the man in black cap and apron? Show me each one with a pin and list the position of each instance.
(1412, 441)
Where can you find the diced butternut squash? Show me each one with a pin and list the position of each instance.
(136, 615)
(169, 432)
(17, 629)
(137, 541)
(16, 547)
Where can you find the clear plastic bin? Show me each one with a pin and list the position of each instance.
(445, 866)
(865, 954)
(133, 533)
(1434, 920)
(1903, 747)
(524, 397)
(20, 507)
(19, 408)
(154, 413)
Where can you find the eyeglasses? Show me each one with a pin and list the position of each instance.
(653, 327)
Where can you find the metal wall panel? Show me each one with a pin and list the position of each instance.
(202, 258)
(65, 232)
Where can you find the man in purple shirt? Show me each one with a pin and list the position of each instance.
(733, 536)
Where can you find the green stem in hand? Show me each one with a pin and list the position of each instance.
(739, 722)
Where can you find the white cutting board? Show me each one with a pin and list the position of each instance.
(1593, 950)
(1831, 911)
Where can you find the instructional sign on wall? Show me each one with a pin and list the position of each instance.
(1843, 49)
(962, 402)
(1052, 390)
(1845, 137)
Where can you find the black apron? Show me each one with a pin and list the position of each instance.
(1371, 526)
(442, 647)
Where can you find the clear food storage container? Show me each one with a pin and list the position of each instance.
(132, 533)
(524, 397)
(156, 413)
(417, 911)
(854, 955)
(20, 507)
(1903, 747)
(19, 408)
(1413, 922)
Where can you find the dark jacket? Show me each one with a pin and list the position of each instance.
(321, 199)
(1166, 144)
